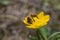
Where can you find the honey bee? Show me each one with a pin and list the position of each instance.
(29, 20)
(31, 15)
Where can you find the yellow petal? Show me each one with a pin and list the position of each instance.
(31, 26)
(25, 21)
(47, 18)
(41, 14)
(35, 19)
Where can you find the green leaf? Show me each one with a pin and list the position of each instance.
(54, 36)
(43, 33)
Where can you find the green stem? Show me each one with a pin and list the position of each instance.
(43, 33)
(37, 34)
(42, 36)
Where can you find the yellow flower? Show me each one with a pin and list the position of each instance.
(36, 22)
